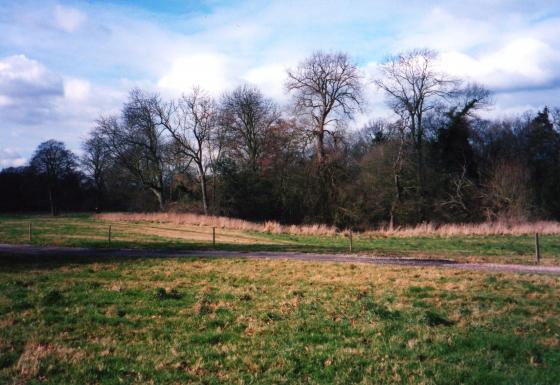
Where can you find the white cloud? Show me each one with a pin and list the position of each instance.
(210, 71)
(27, 89)
(507, 45)
(520, 64)
(37, 104)
(269, 78)
(5, 101)
(76, 90)
(68, 19)
(22, 70)
(11, 158)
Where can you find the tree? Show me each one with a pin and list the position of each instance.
(454, 159)
(136, 141)
(95, 161)
(191, 122)
(53, 161)
(247, 116)
(384, 159)
(414, 87)
(507, 192)
(327, 88)
(541, 150)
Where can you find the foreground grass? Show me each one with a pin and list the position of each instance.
(85, 231)
(154, 321)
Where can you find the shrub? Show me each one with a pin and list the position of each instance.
(433, 318)
(162, 294)
(52, 298)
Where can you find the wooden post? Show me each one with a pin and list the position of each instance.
(350, 239)
(30, 231)
(213, 236)
(109, 234)
(537, 249)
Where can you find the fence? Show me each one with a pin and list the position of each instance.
(349, 235)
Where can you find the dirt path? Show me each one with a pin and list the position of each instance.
(35, 251)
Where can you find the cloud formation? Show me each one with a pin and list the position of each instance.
(521, 64)
(27, 89)
(62, 63)
(68, 19)
(208, 71)
(10, 158)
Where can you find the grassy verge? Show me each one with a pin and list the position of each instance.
(273, 322)
(85, 231)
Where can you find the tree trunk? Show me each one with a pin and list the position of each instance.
(421, 180)
(98, 198)
(421, 184)
(320, 148)
(51, 201)
(159, 197)
(214, 192)
(396, 200)
(203, 188)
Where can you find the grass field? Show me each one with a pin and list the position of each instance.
(84, 230)
(172, 321)
(101, 320)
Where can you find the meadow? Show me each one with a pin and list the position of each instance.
(107, 320)
(200, 321)
(481, 244)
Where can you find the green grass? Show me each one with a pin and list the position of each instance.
(503, 248)
(83, 230)
(171, 321)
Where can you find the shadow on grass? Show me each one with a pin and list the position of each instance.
(11, 262)
(93, 252)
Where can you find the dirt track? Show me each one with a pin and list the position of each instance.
(38, 251)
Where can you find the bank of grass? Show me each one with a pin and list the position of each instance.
(88, 231)
(224, 223)
(154, 321)
(420, 230)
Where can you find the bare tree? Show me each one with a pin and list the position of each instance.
(507, 193)
(53, 161)
(470, 98)
(414, 87)
(95, 160)
(137, 141)
(247, 115)
(326, 87)
(191, 121)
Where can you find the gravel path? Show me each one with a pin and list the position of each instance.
(38, 251)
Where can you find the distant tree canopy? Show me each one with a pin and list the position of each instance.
(51, 182)
(244, 155)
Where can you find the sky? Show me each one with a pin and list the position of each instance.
(64, 63)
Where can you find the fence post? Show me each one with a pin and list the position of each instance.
(350, 239)
(213, 236)
(30, 231)
(109, 234)
(537, 249)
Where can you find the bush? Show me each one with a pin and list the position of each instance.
(162, 294)
(433, 318)
(52, 298)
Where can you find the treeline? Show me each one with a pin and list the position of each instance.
(243, 155)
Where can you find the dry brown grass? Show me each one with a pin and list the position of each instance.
(485, 228)
(193, 233)
(30, 360)
(220, 222)
(425, 229)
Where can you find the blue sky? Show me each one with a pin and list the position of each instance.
(63, 63)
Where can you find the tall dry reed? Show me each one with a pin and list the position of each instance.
(484, 228)
(220, 222)
(425, 229)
